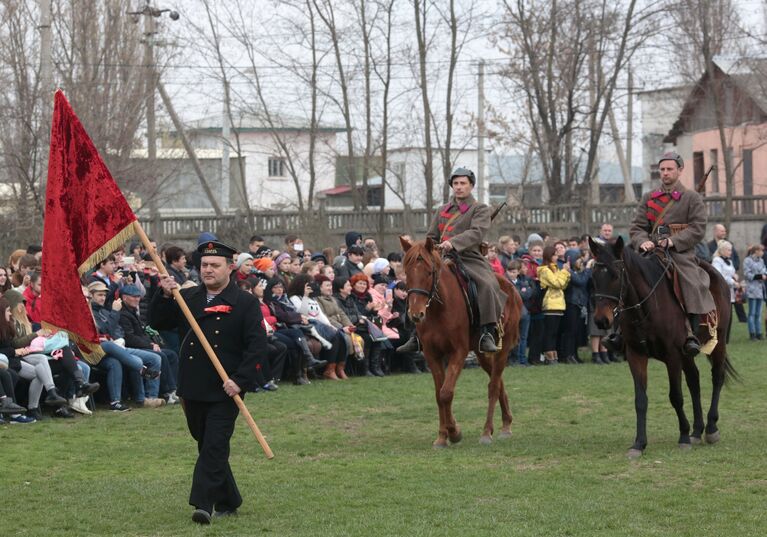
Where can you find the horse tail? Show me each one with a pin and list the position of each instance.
(730, 374)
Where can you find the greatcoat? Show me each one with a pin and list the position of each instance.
(688, 209)
(464, 224)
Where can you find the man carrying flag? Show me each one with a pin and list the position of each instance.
(231, 321)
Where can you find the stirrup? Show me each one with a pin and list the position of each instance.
(487, 339)
(691, 346)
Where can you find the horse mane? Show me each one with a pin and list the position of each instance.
(649, 267)
(419, 247)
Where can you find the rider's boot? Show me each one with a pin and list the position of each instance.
(411, 345)
(487, 339)
(692, 345)
(613, 342)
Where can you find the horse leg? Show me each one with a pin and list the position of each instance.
(718, 360)
(446, 393)
(505, 410)
(674, 369)
(494, 366)
(692, 376)
(438, 375)
(638, 365)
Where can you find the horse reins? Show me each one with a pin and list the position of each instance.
(433, 293)
(619, 299)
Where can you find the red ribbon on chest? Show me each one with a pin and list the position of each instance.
(218, 309)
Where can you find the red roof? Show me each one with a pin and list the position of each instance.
(343, 189)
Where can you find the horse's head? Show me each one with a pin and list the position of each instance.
(422, 265)
(607, 276)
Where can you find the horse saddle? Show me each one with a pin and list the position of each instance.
(467, 285)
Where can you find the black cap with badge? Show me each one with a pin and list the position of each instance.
(215, 248)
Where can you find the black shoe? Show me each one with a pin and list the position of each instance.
(572, 360)
(9, 407)
(313, 363)
(411, 345)
(201, 516)
(54, 399)
(231, 512)
(87, 388)
(691, 347)
(35, 413)
(301, 381)
(63, 412)
(487, 343)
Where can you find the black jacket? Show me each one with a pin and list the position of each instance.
(237, 336)
(135, 335)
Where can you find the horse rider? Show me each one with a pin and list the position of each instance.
(674, 218)
(460, 226)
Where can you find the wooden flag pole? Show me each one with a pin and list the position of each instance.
(208, 349)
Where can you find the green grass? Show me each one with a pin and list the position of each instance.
(355, 459)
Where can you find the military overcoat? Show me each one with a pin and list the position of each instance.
(687, 209)
(232, 324)
(464, 225)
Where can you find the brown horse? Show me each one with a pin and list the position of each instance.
(437, 306)
(635, 289)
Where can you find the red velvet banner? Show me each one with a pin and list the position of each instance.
(86, 218)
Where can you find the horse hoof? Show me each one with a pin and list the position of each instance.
(685, 446)
(456, 437)
(439, 444)
(712, 438)
(503, 435)
(695, 440)
(485, 440)
(634, 453)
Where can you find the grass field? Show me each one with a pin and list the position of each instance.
(355, 459)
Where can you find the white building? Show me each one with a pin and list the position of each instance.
(276, 156)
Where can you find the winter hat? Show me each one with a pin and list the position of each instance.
(263, 251)
(352, 237)
(262, 264)
(242, 258)
(280, 258)
(533, 237)
(380, 278)
(357, 277)
(380, 265)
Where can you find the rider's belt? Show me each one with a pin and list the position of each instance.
(676, 228)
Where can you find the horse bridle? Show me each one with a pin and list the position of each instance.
(431, 294)
(619, 308)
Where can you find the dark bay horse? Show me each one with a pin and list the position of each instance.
(636, 288)
(437, 306)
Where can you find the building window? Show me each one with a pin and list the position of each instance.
(375, 196)
(276, 167)
(697, 168)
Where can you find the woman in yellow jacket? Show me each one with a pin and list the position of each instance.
(553, 281)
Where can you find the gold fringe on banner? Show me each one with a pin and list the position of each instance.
(110, 246)
(92, 352)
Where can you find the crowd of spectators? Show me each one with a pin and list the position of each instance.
(329, 314)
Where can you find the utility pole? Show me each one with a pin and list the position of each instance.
(46, 83)
(225, 173)
(630, 127)
(481, 134)
(150, 30)
(151, 126)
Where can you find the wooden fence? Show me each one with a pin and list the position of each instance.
(328, 227)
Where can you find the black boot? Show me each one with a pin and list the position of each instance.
(411, 345)
(310, 362)
(375, 361)
(692, 345)
(487, 339)
(54, 399)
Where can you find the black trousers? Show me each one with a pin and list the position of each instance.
(212, 425)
